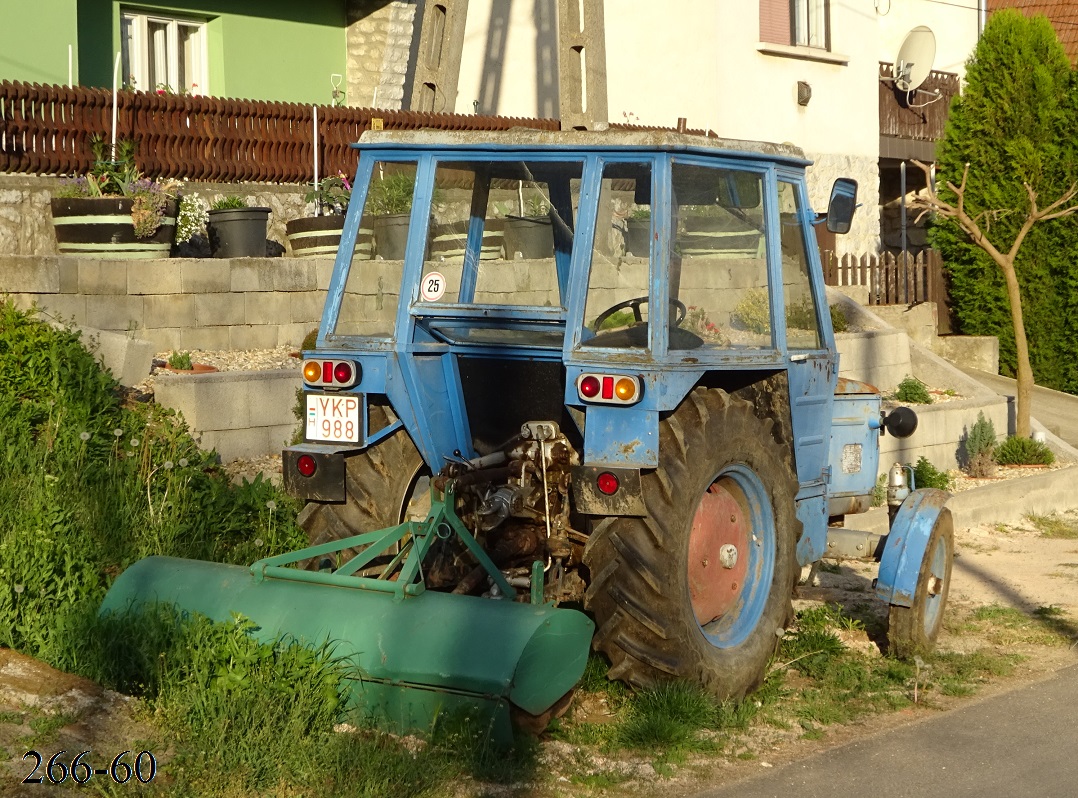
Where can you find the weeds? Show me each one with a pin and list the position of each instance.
(1055, 526)
(913, 391)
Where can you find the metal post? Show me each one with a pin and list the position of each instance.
(905, 271)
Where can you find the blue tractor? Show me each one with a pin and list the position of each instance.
(566, 379)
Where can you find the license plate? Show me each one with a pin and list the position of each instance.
(334, 418)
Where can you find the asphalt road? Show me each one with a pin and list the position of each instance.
(1057, 411)
(1019, 743)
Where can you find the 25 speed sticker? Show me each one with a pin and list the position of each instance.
(57, 770)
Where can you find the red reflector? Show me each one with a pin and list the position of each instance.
(342, 372)
(607, 483)
(327, 372)
(608, 387)
(589, 387)
(306, 465)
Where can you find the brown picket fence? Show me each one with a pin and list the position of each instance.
(46, 130)
(892, 280)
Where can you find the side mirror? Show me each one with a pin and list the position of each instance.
(842, 204)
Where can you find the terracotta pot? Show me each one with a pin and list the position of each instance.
(196, 368)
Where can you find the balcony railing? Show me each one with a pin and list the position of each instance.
(921, 114)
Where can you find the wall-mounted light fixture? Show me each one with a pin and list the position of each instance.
(804, 92)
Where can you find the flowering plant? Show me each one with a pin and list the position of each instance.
(332, 194)
(119, 177)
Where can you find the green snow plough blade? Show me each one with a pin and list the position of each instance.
(417, 654)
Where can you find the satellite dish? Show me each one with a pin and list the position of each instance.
(914, 59)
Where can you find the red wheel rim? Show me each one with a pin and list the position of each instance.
(718, 552)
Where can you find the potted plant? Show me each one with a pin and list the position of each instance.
(192, 240)
(320, 235)
(389, 201)
(114, 211)
(638, 233)
(530, 234)
(237, 230)
(181, 363)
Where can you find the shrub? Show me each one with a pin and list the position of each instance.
(752, 312)
(980, 446)
(926, 475)
(838, 319)
(1023, 451)
(914, 391)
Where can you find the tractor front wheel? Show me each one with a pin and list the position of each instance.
(913, 630)
(700, 589)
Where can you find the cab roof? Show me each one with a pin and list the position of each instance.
(531, 139)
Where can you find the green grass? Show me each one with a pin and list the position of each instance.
(1062, 527)
(1010, 626)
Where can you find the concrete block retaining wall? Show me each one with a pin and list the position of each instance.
(241, 414)
(180, 303)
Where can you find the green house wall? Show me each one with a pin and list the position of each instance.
(256, 49)
(36, 39)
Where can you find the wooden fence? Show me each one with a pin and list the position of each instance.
(890, 280)
(47, 130)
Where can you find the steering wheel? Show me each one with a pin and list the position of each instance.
(635, 304)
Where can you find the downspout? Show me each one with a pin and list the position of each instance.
(982, 17)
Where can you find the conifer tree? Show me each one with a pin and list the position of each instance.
(1014, 126)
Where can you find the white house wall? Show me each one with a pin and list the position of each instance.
(703, 60)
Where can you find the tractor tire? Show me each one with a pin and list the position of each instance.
(912, 631)
(700, 589)
(379, 482)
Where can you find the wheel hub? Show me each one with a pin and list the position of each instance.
(718, 554)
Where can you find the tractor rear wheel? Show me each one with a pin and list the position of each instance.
(380, 482)
(700, 589)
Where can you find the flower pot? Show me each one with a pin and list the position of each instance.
(528, 237)
(448, 242)
(707, 236)
(196, 368)
(101, 227)
(320, 236)
(638, 237)
(238, 232)
(391, 235)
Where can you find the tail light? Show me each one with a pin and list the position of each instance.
(306, 465)
(611, 389)
(607, 483)
(331, 373)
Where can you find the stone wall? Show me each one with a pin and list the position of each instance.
(379, 42)
(864, 236)
(26, 220)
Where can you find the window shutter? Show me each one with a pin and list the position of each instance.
(775, 21)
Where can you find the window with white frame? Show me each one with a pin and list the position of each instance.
(163, 53)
